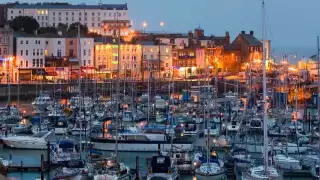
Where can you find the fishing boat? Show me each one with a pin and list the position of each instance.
(161, 168)
(36, 141)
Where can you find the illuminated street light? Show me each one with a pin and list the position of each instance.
(162, 25)
(144, 25)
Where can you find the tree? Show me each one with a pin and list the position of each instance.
(62, 28)
(24, 23)
(73, 29)
(44, 30)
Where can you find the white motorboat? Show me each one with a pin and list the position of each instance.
(214, 129)
(161, 168)
(258, 173)
(60, 126)
(160, 104)
(5, 162)
(42, 101)
(310, 158)
(147, 141)
(82, 127)
(64, 151)
(233, 126)
(282, 161)
(127, 116)
(187, 127)
(36, 141)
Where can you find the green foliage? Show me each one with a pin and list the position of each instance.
(73, 29)
(25, 24)
(44, 30)
(62, 27)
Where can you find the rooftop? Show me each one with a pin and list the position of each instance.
(70, 6)
(251, 40)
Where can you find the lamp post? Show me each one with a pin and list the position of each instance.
(144, 25)
(162, 25)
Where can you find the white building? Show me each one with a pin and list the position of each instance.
(32, 52)
(104, 18)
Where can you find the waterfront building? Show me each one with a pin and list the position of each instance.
(33, 52)
(7, 60)
(103, 19)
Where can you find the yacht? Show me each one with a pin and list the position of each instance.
(64, 152)
(258, 173)
(147, 141)
(210, 169)
(256, 124)
(310, 158)
(36, 141)
(241, 157)
(283, 161)
(22, 128)
(42, 101)
(82, 127)
(233, 126)
(60, 126)
(187, 127)
(161, 168)
(214, 129)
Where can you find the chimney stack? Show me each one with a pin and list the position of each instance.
(251, 33)
(227, 37)
(243, 32)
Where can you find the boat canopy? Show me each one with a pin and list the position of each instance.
(66, 144)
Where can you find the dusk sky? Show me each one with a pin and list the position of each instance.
(290, 24)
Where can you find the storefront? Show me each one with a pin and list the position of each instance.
(25, 74)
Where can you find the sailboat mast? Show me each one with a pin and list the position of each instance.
(79, 83)
(265, 117)
(118, 89)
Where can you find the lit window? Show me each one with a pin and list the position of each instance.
(42, 12)
(38, 12)
(46, 11)
(167, 50)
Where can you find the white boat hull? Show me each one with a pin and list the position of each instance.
(25, 145)
(211, 177)
(140, 147)
(60, 131)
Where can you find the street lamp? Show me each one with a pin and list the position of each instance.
(162, 25)
(144, 25)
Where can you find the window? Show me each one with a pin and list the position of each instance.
(89, 53)
(19, 12)
(109, 14)
(167, 64)
(59, 53)
(33, 63)
(37, 63)
(92, 13)
(21, 63)
(46, 17)
(11, 11)
(72, 19)
(21, 53)
(27, 52)
(98, 24)
(0, 51)
(54, 18)
(71, 42)
(98, 13)
(27, 63)
(67, 13)
(84, 62)
(46, 52)
(92, 24)
(27, 42)
(41, 23)
(79, 13)
(59, 13)
(53, 24)
(92, 18)
(42, 18)
(167, 50)
(37, 52)
(54, 13)
(47, 42)
(79, 18)
(84, 52)
(151, 56)
(59, 42)
(89, 62)
(41, 62)
(98, 18)
(119, 14)
(5, 51)
(105, 14)
(72, 13)
(85, 13)
(59, 18)
(34, 52)
(66, 18)
(71, 52)
(41, 52)
(21, 42)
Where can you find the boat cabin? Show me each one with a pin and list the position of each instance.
(160, 164)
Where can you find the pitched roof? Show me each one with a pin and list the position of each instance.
(251, 40)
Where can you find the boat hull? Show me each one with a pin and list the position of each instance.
(24, 145)
(140, 147)
(221, 176)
